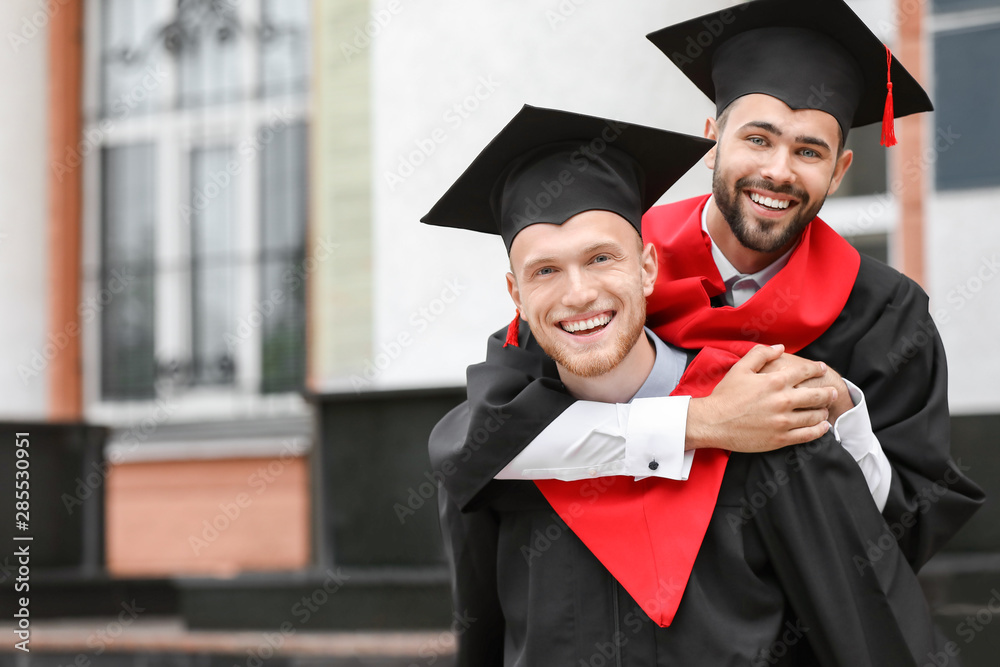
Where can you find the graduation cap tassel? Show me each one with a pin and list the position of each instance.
(512, 329)
(888, 123)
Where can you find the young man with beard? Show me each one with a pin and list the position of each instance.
(651, 571)
(752, 262)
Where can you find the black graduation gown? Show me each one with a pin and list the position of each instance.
(886, 343)
(783, 577)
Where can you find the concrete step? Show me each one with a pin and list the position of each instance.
(331, 599)
(963, 590)
(166, 642)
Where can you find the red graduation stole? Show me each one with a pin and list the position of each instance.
(797, 305)
(648, 533)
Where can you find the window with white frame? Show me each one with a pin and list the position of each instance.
(199, 191)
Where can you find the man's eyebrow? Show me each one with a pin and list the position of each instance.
(813, 141)
(763, 125)
(601, 245)
(610, 246)
(532, 262)
(773, 129)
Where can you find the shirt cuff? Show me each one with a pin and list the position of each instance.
(853, 431)
(654, 443)
(586, 440)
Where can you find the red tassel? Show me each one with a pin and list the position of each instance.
(512, 329)
(888, 122)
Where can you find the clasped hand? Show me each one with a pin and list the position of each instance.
(767, 400)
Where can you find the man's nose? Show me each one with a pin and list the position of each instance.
(778, 167)
(580, 290)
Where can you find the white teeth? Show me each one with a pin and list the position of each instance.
(584, 325)
(770, 203)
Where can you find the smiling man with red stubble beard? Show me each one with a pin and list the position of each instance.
(582, 287)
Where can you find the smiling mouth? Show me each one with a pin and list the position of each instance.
(770, 203)
(588, 326)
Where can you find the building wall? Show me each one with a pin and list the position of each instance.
(340, 296)
(963, 240)
(445, 80)
(964, 260)
(23, 227)
(219, 516)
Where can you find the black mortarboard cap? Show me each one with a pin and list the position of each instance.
(810, 54)
(547, 165)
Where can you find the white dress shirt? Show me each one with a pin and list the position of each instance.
(641, 438)
(645, 437)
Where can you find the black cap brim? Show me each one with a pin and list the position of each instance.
(692, 46)
(663, 156)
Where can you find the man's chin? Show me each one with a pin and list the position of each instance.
(601, 358)
(763, 236)
(588, 366)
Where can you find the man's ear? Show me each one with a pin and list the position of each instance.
(711, 132)
(650, 267)
(843, 164)
(515, 293)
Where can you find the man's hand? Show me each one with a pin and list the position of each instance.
(830, 378)
(752, 411)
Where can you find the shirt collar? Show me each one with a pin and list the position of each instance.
(728, 271)
(667, 369)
